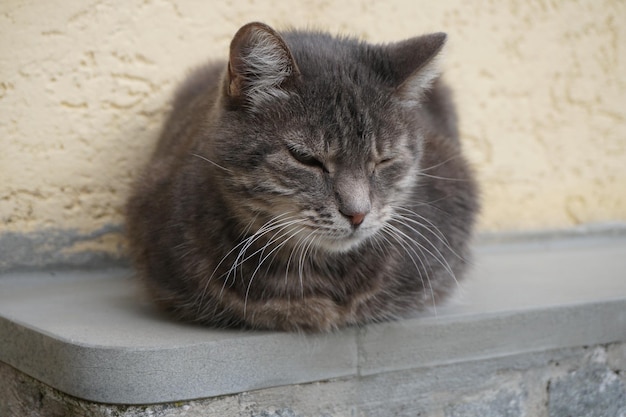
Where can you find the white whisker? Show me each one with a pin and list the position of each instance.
(437, 233)
(260, 263)
(421, 174)
(392, 232)
(458, 155)
(438, 257)
(243, 246)
(211, 162)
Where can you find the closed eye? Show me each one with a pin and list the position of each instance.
(307, 159)
(385, 161)
(382, 164)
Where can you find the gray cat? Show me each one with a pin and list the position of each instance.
(309, 183)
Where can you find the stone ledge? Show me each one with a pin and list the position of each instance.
(85, 333)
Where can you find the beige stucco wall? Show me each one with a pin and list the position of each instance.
(541, 88)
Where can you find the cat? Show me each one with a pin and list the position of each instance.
(308, 183)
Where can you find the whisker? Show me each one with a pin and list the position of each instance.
(392, 232)
(202, 294)
(457, 155)
(280, 226)
(245, 243)
(258, 267)
(439, 235)
(211, 162)
(442, 178)
(439, 257)
(430, 223)
(293, 251)
(303, 253)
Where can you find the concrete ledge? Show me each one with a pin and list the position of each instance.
(85, 333)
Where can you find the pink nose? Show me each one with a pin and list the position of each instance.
(356, 218)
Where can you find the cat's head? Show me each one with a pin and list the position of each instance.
(320, 136)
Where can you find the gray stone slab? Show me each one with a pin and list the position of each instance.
(520, 298)
(87, 333)
(429, 342)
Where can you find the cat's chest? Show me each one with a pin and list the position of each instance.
(304, 298)
(299, 276)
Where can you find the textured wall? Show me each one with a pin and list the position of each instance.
(541, 88)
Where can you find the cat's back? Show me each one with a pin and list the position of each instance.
(192, 103)
(439, 112)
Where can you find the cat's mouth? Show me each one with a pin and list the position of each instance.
(342, 238)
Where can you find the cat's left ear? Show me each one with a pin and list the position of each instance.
(415, 65)
(261, 67)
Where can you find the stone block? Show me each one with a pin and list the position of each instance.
(592, 391)
(504, 403)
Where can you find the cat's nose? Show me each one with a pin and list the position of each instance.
(356, 218)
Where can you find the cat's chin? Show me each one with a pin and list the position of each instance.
(339, 246)
(343, 244)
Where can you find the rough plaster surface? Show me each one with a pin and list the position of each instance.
(547, 384)
(84, 86)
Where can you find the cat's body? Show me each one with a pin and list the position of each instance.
(312, 183)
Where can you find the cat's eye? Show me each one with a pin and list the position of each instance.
(380, 164)
(306, 159)
(385, 162)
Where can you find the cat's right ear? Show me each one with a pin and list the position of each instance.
(260, 67)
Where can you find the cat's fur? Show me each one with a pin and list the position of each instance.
(309, 183)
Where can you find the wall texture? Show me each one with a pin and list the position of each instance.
(84, 86)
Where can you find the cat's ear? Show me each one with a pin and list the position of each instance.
(415, 65)
(260, 67)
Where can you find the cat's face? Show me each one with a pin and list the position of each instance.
(319, 157)
(321, 180)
